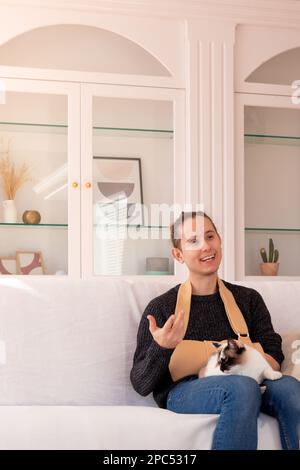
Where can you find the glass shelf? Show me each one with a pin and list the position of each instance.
(129, 132)
(63, 129)
(263, 229)
(8, 224)
(269, 139)
(32, 127)
(132, 225)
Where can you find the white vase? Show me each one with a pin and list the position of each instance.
(9, 211)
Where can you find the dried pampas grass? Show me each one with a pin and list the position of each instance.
(12, 177)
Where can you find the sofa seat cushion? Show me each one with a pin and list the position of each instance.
(291, 351)
(114, 427)
(68, 342)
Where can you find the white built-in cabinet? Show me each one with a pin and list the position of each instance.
(267, 155)
(104, 141)
(100, 157)
(190, 108)
(132, 174)
(40, 127)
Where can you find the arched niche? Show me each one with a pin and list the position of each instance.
(282, 69)
(79, 48)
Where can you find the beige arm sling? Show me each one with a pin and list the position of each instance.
(190, 356)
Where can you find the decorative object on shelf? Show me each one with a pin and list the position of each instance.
(9, 211)
(30, 262)
(60, 272)
(157, 265)
(31, 217)
(118, 190)
(8, 266)
(12, 177)
(270, 266)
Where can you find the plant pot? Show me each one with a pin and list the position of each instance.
(269, 269)
(9, 211)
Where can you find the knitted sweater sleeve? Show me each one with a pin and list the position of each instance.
(150, 362)
(262, 330)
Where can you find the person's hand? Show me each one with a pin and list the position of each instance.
(171, 333)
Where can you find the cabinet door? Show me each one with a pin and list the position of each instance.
(40, 178)
(133, 175)
(268, 190)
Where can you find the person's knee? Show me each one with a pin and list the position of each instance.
(285, 390)
(283, 385)
(245, 391)
(286, 381)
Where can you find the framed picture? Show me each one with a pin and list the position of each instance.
(118, 190)
(30, 262)
(8, 266)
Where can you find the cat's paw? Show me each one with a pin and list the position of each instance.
(272, 374)
(276, 375)
(263, 388)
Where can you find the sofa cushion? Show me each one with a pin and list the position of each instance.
(71, 341)
(117, 427)
(291, 351)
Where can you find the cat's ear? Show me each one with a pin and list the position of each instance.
(232, 344)
(216, 345)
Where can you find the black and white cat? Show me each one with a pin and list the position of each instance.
(236, 358)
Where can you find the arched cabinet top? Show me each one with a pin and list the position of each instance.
(266, 56)
(136, 46)
(80, 48)
(282, 69)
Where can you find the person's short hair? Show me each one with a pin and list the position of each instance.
(175, 228)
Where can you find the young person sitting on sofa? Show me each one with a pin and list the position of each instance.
(237, 399)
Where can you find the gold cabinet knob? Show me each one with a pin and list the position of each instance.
(88, 184)
(75, 184)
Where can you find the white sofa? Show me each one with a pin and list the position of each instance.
(66, 349)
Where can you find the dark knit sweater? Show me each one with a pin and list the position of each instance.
(208, 321)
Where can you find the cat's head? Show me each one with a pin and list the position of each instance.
(229, 354)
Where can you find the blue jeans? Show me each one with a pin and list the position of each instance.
(238, 401)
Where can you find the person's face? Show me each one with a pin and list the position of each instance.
(200, 246)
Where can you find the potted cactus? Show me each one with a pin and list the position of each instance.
(270, 266)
